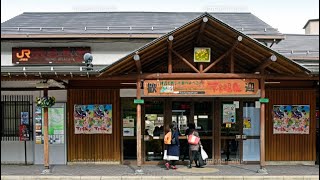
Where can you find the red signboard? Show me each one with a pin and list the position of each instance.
(201, 87)
(46, 55)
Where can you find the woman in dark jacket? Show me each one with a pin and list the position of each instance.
(173, 149)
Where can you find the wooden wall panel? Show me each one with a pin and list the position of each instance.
(94, 147)
(290, 147)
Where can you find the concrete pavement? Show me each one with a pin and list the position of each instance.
(124, 172)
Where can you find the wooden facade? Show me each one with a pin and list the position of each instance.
(235, 56)
(290, 147)
(94, 147)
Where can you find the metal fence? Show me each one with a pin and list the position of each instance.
(16, 109)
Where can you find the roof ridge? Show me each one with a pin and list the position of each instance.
(201, 12)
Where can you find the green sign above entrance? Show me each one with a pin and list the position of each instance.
(264, 100)
(138, 101)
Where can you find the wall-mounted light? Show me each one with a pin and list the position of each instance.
(88, 58)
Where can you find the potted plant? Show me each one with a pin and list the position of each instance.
(45, 101)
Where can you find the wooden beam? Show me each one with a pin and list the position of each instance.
(133, 77)
(170, 54)
(186, 61)
(203, 25)
(222, 56)
(45, 134)
(202, 76)
(266, 63)
(201, 67)
(231, 63)
(139, 143)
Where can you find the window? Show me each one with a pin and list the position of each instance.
(12, 108)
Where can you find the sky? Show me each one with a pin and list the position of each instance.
(288, 16)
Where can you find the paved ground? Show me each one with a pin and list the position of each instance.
(128, 171)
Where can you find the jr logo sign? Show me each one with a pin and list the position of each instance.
(24, 55)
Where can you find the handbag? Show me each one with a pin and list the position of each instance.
(204, 155)
(165, 156)
(192, 139)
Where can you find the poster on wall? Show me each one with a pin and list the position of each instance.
(246, 123)
(128, 131)
(229, 113)
(291, 119)
(24, 132)
(56, 125)
(128, 122)
(38, 125)
(93, 119)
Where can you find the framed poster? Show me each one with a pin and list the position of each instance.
(229, 113)
(93, 119)
(291, 119)
(128, 122)
(246, 123)
(128, 131)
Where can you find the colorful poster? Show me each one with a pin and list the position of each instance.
(229, 113)
(24, 118)
(93, 119)
(38, 125)
(246, 123)
(128, 122)
(56, 125)
(128, 131)
(291, 119)
(24, 132)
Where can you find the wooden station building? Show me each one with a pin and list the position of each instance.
(250, 103)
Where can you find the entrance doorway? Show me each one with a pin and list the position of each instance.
(240, 132)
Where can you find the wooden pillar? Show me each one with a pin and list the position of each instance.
(139, 149)
(217, 131)
(262, 125)
(201, 68)
(45, 131)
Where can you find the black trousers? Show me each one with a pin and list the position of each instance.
(194, 156)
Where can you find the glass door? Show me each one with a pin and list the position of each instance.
(231, 134)
(153, 130)
(251, 131)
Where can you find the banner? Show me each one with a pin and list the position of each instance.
(201, 87)
(93, 119)
(291, 119)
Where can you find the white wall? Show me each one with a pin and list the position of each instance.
(12, 152)
(312, 28)
(104, 52)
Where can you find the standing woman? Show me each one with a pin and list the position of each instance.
(171, 141)
(194, 148)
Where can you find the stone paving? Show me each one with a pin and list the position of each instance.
(157, 170)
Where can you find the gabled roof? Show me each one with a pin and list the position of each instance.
(249, 54)
(124, 23)
(310, 20)
(303, 49)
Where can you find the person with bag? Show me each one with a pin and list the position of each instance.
(172, 151)
(194, 145)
